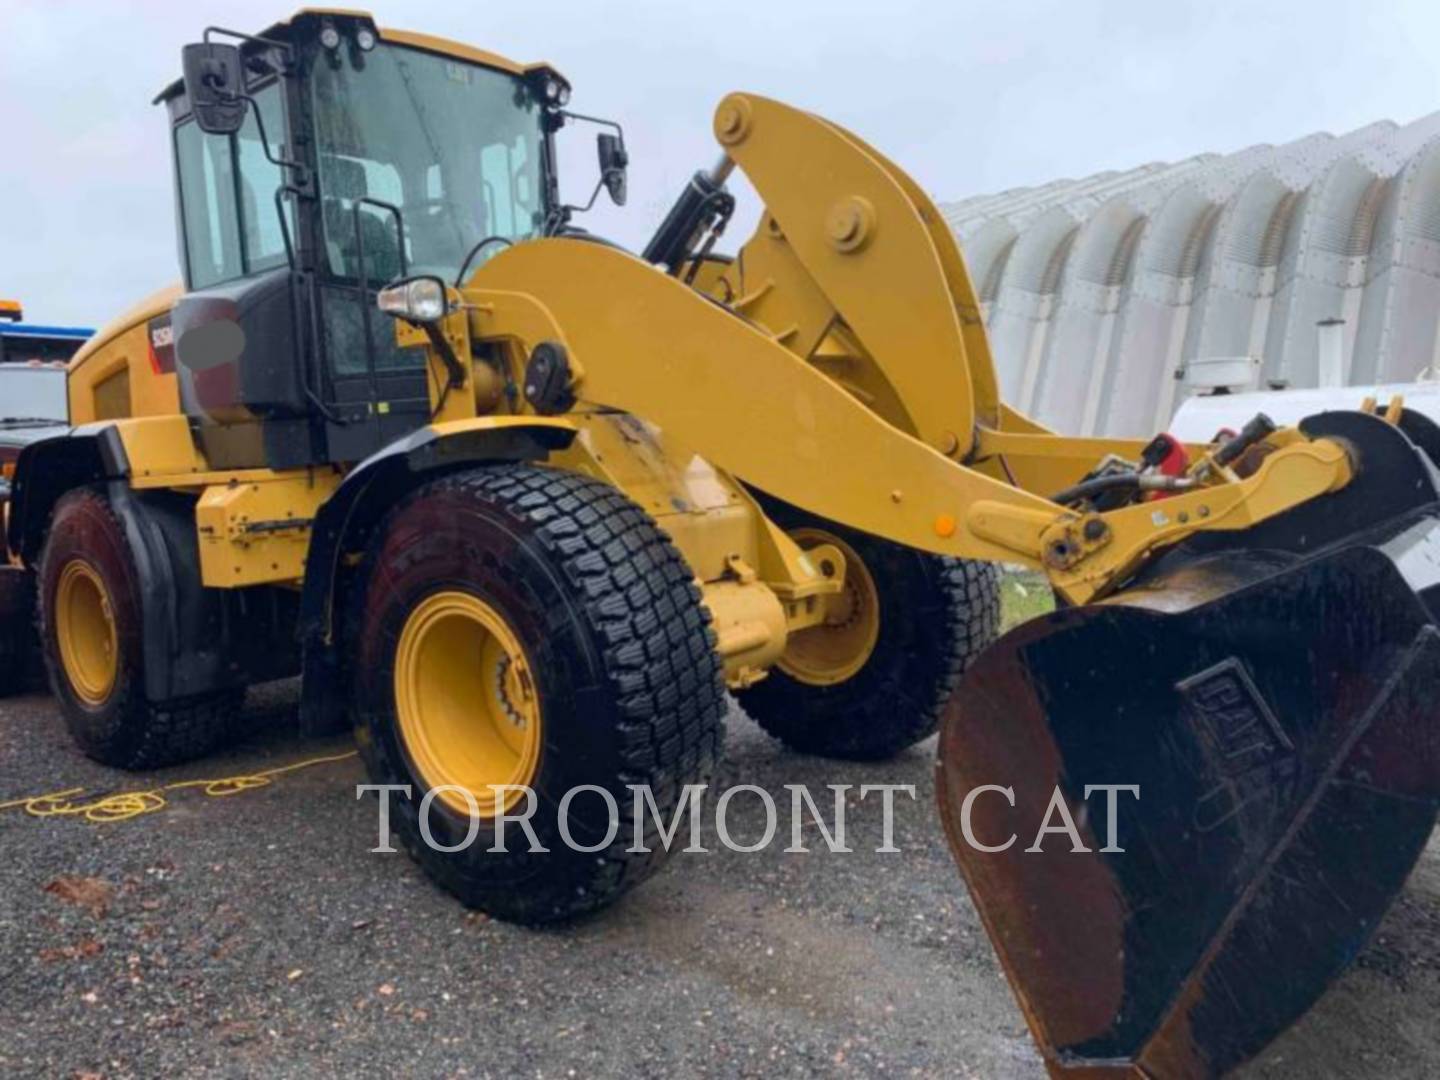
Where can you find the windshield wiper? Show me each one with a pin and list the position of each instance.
(31, 420)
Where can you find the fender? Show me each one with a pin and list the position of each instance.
(194, 640)
(344, 523)
(45, 470)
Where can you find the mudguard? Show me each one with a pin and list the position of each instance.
(366, 494)
(196, 640)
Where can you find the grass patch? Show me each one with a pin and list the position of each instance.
(1023, 595)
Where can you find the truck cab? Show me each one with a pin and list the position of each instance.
(26, 342)
(33, 403)
(33, 407)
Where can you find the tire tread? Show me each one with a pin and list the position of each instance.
(137, 734)
(643, 609)
(900, 698)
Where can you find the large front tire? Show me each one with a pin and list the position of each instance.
(523, 626)
(877, 677)
(91, 635)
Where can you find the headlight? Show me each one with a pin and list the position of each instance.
(365, 38)
(548, 86)
(420, 299)
(329, 36)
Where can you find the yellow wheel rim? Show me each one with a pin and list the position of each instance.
(85, 632)
(468, 707)
(838, 648)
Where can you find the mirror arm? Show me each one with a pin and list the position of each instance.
(595, 120)
(285, 68)
(595, 194)
(600, 120)
(561, 216)
(285, 49)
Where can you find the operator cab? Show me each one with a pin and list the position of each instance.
(315, 164)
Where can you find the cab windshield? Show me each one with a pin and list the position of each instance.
(454, 147)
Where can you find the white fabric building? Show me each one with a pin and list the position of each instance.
(1101, 294)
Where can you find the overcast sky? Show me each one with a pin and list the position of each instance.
(970, 97)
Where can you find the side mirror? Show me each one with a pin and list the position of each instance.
(613, 160)
(215, 83)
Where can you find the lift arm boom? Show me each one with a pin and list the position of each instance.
(643, 343)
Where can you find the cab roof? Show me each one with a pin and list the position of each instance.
(428, 42)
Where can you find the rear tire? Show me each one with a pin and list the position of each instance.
(592, 601)
(92, 648)
(934, 615)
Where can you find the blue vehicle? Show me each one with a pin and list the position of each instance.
(33, 399)
(25, 342)
(33, 406)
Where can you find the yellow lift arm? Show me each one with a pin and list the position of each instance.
(859, 365)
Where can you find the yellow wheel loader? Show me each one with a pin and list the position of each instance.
(521, 505)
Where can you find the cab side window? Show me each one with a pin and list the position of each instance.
(260, 178)
(207, 196)
(227, 195)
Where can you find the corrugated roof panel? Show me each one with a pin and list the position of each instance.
(1100, 291)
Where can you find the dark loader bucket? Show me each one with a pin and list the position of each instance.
(1271, 694)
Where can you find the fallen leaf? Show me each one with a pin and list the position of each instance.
(235, 1032)
(295, 974)
(83, 949)
(386, 989)
(90, 893)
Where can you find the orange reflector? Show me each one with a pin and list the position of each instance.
(945, 526)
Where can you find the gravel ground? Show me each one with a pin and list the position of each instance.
(258, 935)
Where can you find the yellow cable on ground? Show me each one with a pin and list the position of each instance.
(132, 804)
